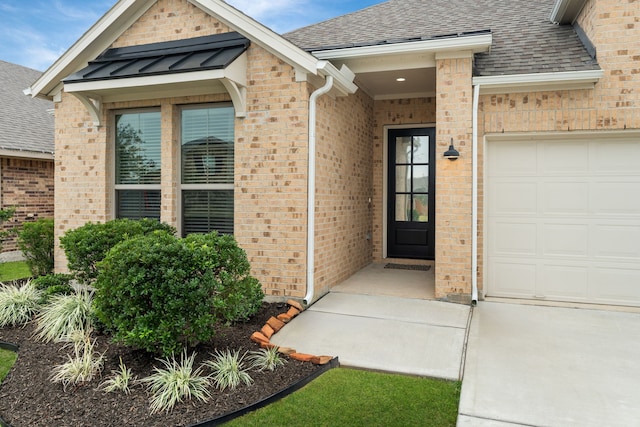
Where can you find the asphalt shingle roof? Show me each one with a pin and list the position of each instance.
(25, 123)
(524, 40)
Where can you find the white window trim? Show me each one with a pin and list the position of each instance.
(119, 187)
(182, 187)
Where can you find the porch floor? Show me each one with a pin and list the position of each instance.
(375, 279)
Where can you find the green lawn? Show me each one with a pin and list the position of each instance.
(14, 270)
(7, 358)
(349, 397)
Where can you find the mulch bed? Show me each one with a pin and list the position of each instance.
(29, 398)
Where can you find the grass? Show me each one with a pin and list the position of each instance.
(7, 359)
(349, 397)
(14, 270)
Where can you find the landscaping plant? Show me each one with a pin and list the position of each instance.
(18, 304)
(54, 284)
(82, 367)
(177, 381)
(65, 315)
(119, 380)
(36, 242)
(87, 245)
(5, 215)
(266, 359)
(163, 294)
(228, 369)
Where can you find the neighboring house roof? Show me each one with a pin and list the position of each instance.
(201, 53)
(524, 39)
(26, 124)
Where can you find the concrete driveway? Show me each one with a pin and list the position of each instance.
(551, 366)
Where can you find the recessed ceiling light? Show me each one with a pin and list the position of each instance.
(400, 79)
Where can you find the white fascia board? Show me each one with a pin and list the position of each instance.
(139, 82)
(566, 11)
(538, 82)
(342, 79)
(479, 43)
(24, 154)
(97, 39)
(259, 34)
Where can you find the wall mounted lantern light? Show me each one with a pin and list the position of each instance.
(451, 153)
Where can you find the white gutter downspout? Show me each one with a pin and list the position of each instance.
(474, 198)
(311, 189)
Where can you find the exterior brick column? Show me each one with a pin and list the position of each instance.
(453, 178)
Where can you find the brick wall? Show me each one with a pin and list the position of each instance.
(343, 188)
(270, 154)
(28, 186)
(453, 178)
(396, 112)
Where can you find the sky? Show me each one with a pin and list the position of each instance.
(34, 33)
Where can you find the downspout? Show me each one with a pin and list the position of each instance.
(474, 197)
(311, 189)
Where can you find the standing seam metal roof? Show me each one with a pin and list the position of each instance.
(180, 56)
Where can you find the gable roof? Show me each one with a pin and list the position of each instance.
(524, 39)
(26, 125)
(125, 12)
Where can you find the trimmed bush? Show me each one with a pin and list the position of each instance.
(36, 242)
(87, 245)
(162, 293)
(54, 284)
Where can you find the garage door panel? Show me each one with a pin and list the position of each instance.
(565, 198)
(517, 198)
(617, 158)
(516, 160)
(514, 279)
(565, 240)
(561, 282)
(565, 159)
(515, 238)
(616, 241)
(564, 223)
(616, 285)
(616, 198)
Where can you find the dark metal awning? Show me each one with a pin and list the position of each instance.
(196, 66)
(202, 53)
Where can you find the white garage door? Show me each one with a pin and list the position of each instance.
(563, 220)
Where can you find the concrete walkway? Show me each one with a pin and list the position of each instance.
(409, 336)
(551, 366)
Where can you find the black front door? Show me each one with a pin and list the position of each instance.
(411, 194)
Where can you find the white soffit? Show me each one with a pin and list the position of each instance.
(514, 83)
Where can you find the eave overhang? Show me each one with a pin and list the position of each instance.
(515, 83)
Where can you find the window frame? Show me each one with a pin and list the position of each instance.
(114, 160)
(204, 187)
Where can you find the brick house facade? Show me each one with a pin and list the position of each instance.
(473, 87)
(26, 151)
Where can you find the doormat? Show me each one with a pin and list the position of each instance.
(408, 267)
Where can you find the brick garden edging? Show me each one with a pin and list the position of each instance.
(274, 324)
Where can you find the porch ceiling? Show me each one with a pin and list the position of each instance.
(417, 83)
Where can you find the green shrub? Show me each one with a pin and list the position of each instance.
(240, 294)
(36, 242)
(5, 215)
(162, 293)
(54, 284)
(87, 245)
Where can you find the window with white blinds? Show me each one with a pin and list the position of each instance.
(207, 169)
(137, 168)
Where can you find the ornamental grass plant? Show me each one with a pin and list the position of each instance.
(18, 304)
